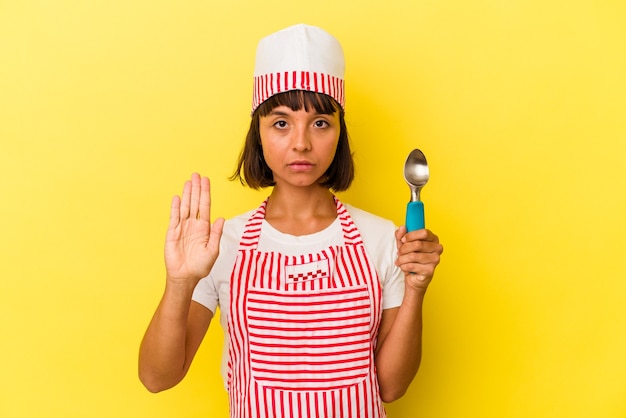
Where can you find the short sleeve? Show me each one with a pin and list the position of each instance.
(206, 294)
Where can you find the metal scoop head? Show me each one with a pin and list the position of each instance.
(416, 173)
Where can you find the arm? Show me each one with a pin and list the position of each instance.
(179, 325)
(399, 347)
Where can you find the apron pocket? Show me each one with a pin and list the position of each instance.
(309, 342)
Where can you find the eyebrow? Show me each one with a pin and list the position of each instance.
(275, 112)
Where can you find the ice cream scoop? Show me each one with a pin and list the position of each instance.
(416, 175)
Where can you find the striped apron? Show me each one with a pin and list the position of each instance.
(302, 330)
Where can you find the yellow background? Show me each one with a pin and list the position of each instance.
(106, 107)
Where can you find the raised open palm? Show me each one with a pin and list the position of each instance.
(192, 243)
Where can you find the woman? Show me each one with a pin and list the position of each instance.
(321, 302)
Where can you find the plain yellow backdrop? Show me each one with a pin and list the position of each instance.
(106, 107)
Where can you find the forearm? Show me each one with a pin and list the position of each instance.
(398, 356)
(162, 356)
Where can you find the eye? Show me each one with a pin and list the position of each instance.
(280, 124)
(321, 123)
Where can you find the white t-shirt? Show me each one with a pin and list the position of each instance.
(378, 238)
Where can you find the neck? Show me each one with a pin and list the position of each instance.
(300, 212)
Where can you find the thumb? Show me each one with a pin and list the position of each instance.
(216, 233)
(400, 233)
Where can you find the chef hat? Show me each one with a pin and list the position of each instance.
(300, 57)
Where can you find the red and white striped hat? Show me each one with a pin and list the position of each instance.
(300, 57)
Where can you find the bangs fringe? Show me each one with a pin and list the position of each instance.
(298, 100)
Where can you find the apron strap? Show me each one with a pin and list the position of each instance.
(351, 234)
(252, 230)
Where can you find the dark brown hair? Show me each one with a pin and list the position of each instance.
(253, 171)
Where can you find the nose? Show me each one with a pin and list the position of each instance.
(301, 140)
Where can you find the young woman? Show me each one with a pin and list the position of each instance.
(321, 303)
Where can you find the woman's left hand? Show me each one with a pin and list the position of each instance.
(418, 255)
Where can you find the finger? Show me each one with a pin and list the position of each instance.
(423, 235)
(216, 234)
(205, 199)
(185, 201)
(424, 274)
(420, 251)
(422, 269)
(175, 212)
(400, 232)
(429, 236)
(418, 258)
(411, 247)
(195, 196)
(420, 280)
(418, 234)
(420, 246)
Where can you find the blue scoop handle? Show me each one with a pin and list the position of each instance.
(415, 216)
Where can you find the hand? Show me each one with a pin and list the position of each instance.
(418, 255)
(192, 244)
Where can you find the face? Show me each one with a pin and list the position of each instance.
(298, 146)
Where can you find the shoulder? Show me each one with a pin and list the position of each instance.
(231, 235)
(233, 227)
(229, 245)
(369, 223)
(378, 233)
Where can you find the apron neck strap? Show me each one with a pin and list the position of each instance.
(252, 230)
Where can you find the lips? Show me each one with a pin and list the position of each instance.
(300, 165)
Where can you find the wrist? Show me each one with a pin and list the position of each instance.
(181, 287)
(414, 294)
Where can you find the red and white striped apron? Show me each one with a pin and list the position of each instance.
(302, 330)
